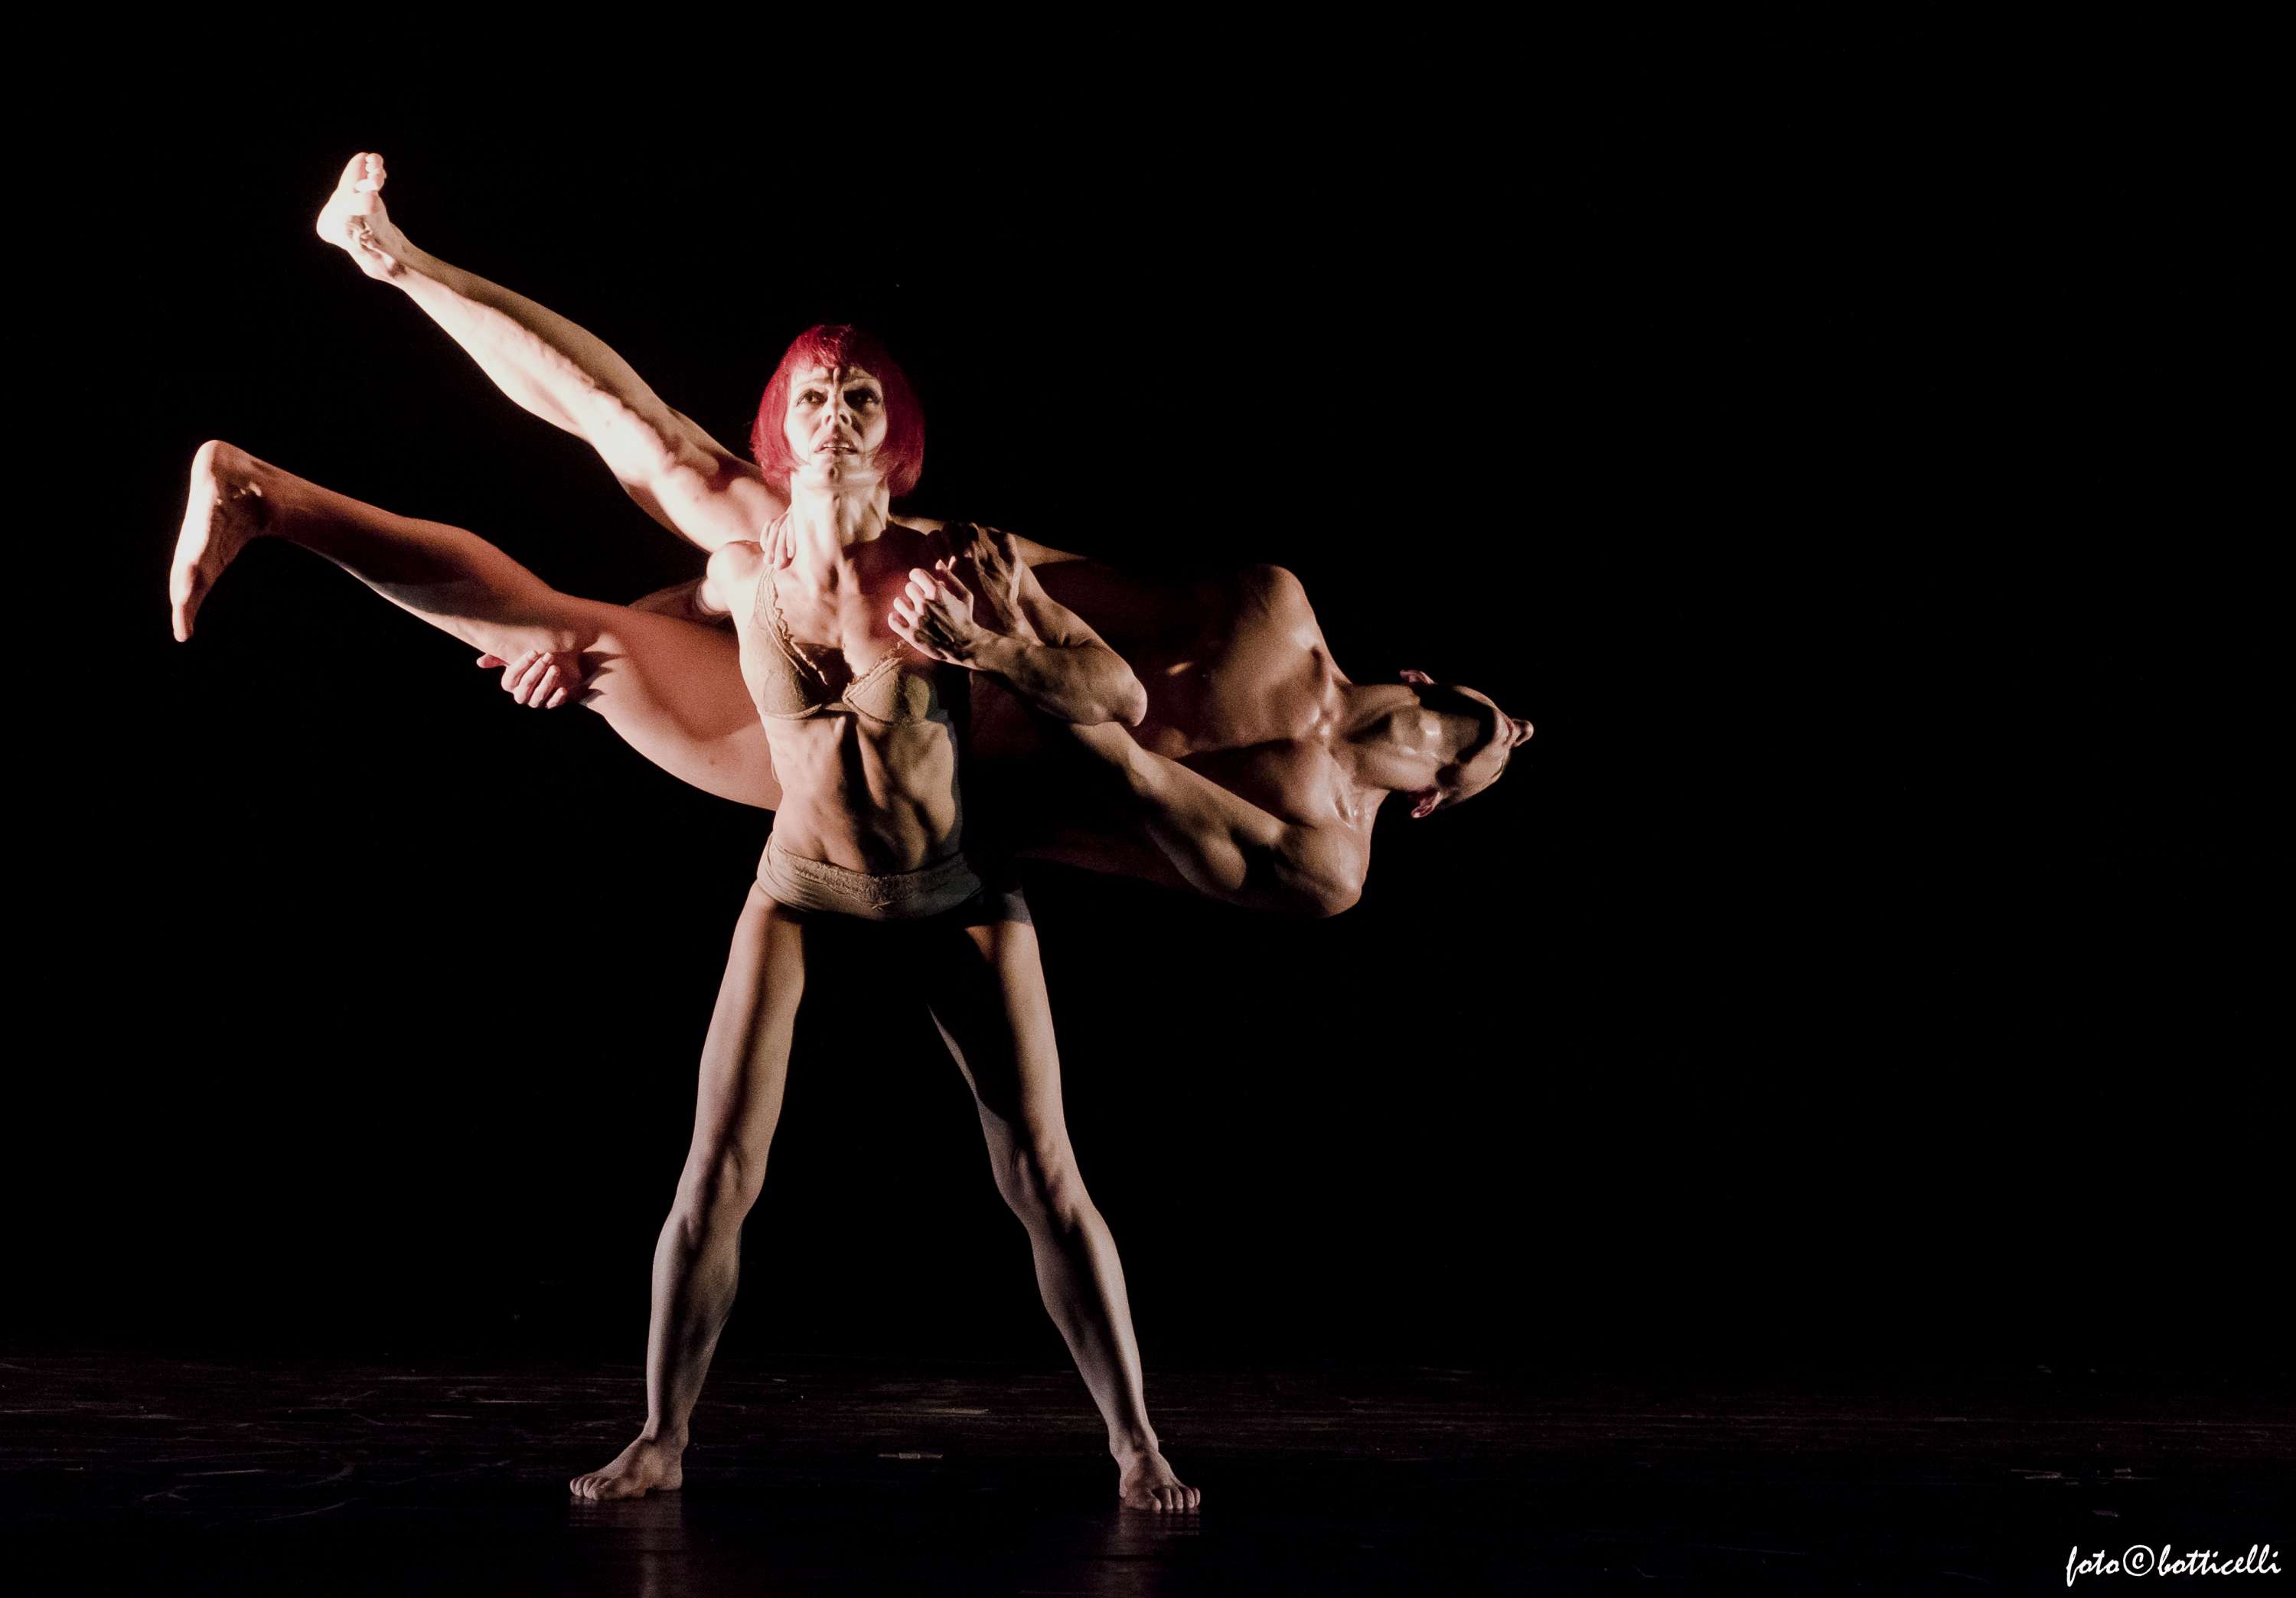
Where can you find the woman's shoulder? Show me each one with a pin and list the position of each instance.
(736, 560)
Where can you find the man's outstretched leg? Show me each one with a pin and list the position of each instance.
(682, 477)
(669, 688)
(697, 1262)
(452, 579)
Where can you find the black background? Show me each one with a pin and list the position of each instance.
(1859, 968)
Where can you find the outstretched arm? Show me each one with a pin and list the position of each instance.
(681, 476)
(1038, 649)
(1226, 847)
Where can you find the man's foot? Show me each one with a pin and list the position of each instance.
(646, 1466)
(1147, 1482)
(226, 507)
(355, 221)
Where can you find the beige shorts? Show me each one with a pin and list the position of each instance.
(804, 884)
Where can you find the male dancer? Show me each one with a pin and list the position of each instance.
(1258, 771)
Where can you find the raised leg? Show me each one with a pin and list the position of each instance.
(671, 688)
(986, 989)
(697, 1263)
(452, 579)
(682, 477)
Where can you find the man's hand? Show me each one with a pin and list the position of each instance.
(539, 679)
(995, 557)
(934, 616)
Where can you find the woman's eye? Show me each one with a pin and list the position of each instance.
(810, 397)
(860, 399)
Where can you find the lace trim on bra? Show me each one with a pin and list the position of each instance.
(875, 693)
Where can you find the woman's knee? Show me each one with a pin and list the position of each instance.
(1039, 1181)
(719, 1186)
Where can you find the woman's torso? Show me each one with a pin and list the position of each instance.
(866, 735)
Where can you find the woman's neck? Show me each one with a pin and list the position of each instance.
(828, 518)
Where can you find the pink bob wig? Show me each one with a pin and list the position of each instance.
(901, 457)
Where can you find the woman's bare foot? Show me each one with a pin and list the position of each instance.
(226, 507)
(1147, 1482)
(647, 1465)
(355, 221)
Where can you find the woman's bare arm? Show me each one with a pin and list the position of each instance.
(681, 476)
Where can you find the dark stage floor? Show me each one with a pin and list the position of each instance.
(150, 1475)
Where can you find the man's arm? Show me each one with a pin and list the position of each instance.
(681, 476)
(1030, 551)
(1225, 847)
(1037, 648)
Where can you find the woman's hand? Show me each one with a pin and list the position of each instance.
(933, 615)
(539, 679)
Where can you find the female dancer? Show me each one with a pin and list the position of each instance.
(1259, 767)
(855, 635)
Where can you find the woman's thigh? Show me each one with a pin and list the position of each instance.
(745, 1060)
(672, 690)
(986, 988)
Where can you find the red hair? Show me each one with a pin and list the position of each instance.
(901, 457)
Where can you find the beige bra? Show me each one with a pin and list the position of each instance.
(805, 679)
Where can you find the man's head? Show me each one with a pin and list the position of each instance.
(1473, 740)
(833, 374)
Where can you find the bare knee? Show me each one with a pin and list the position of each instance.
(717, 1189)
(1040, 1183)
(525, 616)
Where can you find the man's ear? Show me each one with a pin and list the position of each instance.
(1424, 802)
(1418, 679)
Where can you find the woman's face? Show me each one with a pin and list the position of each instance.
(836, 421)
